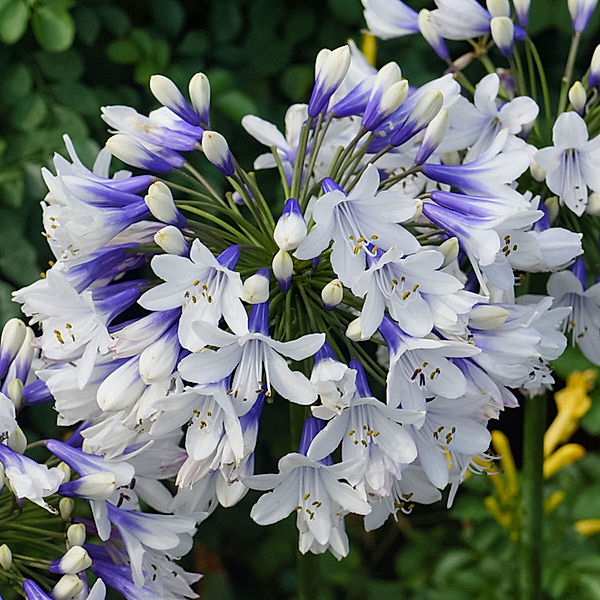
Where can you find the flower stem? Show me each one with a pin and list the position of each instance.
(308, 576)
(566, 79)
(532, 498)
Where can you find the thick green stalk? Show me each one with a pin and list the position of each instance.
(567, 77)
(530, 580)
(308, 576)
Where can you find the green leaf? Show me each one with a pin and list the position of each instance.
(17, 82)
(589, 586)
(87, 25)
(226, 20)
(14, 17)
(66, 67)
(123, 52)
(54, 29)
(115, 19)
(144, 41)
(571, 360)
(235, 104)
(144, 71)
(8, 308)
(77, 96)
(297, 81)
(11, 189)
(194, 43)
(69, 121)
(587, 505)
(591, 419)
(168, 15)
(347, 12)
(30, 112)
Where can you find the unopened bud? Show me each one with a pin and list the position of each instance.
(354, 330)
(449, 248)
(15, 391)
(256, 287)
(5, 557)
(426, 108)
(386, 95)
(331, 67)
(487, 316)
(581, 11)
(522, 10)
(67, 588)
(498, 8)
(66, 469)
(434, 134)
(503, 31)
(291, 226)
(65, 507)
(451, 158)
(536, 171)
(132, 153)
(593, 205)
(430, 33)
(578, 97)
(199, 89)
(75, 560)
(216, 150)
(283, 268)
(332, 294)
(172, 241)
(17, 440)
(76, 534)
(552, 206)
(168, 94)
(95, 486)
(13, 335)
(594, 78)
(159, 200)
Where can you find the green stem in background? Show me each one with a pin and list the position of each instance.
(282, 176)
(300, 154)
(568, 75)
(308, 576)
(519, 72)
(211, 190)
(532, 510)
(544, 85)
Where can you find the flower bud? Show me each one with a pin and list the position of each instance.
(552, 206)
(199, 89)
(430, 33)
(17, 440)
(159, 200)
(216, 150)
(65, 508)
(67, 588)
(331, 67)
(5, 557)
(487, 316)
(13, 335)
(15, 391)
(168, 94)
(172, 241)
(76, 534)
(95, 486)
(66, 469)
(449, 248)
(434, 134)
(332, 294)
(354, 330)
(536, 171)
(283, 268)
(593, 205)
(581, 11)
(158, 360)
(256, 287)
(578, 97)
(387, 93)
(74, 561)
(498, 8)
(503, 31)
(132, 153)
(291, 226)
(522, 10)
(424, 111)
(594, 78)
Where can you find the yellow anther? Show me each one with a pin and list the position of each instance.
(564, 456)
(587, 527)
(307, 496)
(405, 295)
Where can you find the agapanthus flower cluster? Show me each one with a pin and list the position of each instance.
(376, 298)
